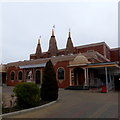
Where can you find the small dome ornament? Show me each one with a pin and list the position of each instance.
(79, 60)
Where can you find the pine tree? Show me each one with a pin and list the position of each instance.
(49, 88)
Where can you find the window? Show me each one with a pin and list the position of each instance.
(37, 77)
(60, 74)
(20, 75)
(12, 75)
(29, 75)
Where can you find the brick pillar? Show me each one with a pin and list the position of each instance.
(71, 76)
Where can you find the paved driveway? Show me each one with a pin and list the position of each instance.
(6, 95)
(0, 100)
(78, 104)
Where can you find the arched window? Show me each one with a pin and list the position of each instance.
(29, 75)
(37, 77)
(20, 75)
(60, 74)
(12, 75)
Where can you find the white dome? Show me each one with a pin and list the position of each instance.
(79, 59)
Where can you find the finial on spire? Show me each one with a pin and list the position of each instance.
(53, 30)
(69, 33)
(39, 39)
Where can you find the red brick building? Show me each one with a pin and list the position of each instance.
(89, 65)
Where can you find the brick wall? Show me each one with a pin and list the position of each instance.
(114, 55)
(102, 48)
(98, 48)
(32, 57)
(107, 51)
(61, 83)
(15, 81)
(66, 82)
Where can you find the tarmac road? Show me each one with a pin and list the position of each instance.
(78, 104)
(0, 100)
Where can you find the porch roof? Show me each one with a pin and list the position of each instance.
(32, 66)
(96, 65)
(105, 64)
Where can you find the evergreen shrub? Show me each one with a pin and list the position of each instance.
(49, 88)
(28, 95)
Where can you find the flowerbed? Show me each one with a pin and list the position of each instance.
(17, 108)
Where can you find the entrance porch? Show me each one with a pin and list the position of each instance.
(93, 75)
(93, 78)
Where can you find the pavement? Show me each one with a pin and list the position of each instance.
(6, 95)
(78, 104)
(0, 100)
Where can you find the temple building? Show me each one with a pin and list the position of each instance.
(89, 66)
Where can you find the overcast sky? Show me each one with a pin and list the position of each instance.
(23, 23)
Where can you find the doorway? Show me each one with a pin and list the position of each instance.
(117, 83)
(79, 77)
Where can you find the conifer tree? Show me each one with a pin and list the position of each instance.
(49, 88)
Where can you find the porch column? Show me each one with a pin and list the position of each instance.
(113, 81)
(87, 77)
(85, 70)
(71, 76)
(106, 78)
(110, 84)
